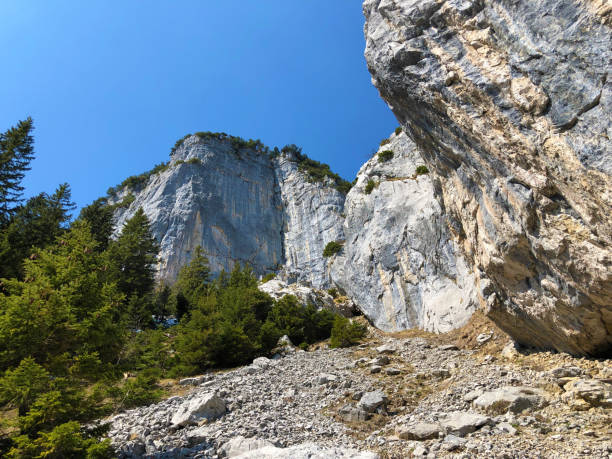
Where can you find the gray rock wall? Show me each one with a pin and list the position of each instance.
(509, 103)
(313, 216)
(241, 207)
(399, 263)
(228, 203)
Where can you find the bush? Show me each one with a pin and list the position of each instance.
(268, 277)
(332, 248)
(384, 142)
(370, 186)
(333, 292)
(420, 170)
(194, 161)
(385, 156)
(346, 332)
(398, 130)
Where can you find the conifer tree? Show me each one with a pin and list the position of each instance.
(34, 225)
(99, 215)
(16, 153)
(193, 278)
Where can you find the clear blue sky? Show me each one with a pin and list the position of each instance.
(112, 85)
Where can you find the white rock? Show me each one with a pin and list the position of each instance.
(207, 406)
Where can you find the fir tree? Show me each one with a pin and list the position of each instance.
(193, 278)
(34, 225)
(99, 215)
(16, 153)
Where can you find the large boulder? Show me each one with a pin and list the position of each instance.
(509, 103)
(208, 406)
(461, 423)
(307, 451)
(510, 398)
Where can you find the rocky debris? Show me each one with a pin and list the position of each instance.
(484, 337)
(399, 263)
(461, 423)
(285, 404)
(208, 406)
(508, 105)
(193, 381)
(510, 398)
(419, 431)
(277, 289)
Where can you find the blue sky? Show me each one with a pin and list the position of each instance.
(112, 85)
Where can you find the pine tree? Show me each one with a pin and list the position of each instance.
(133, 257)
(16, 153)
(193, 278)
(99, 215)
(135, 254)
(34, 225)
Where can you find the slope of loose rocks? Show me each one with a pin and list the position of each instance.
(394, 396)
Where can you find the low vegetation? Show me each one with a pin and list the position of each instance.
(421, 170)
(317, 172)
(370, 186)
(346, 332)
(385, 155)
(332, 248)
(136, 182)
(398, 130)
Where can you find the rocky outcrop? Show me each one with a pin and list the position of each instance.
(399, 262)
(313, 216)
(242, 205)
(509, 105)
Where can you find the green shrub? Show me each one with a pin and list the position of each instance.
(126, 202)
(197, 161)
(398, 130)
(317, 172)
(384, 142)
(333, 292)
(268, 277)
(346, 332)
(384, 156)
(370, 186)
(332, 248)
(420, 170)
(141, 390)
(136, 182)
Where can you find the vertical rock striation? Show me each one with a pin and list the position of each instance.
(211, 195)
(313, 216)
(509, 103)
(242, 206)
(399, 263)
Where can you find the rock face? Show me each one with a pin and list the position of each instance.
(509, 105)
(399, 263)
(240, 205)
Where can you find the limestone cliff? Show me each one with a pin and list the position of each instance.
(509, 104)
(241, 205)
(399, 263)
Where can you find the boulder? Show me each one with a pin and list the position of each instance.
(207, 406)
(307, 451)
(461, 423)
(350, 413)
(508, 104)
(595, 392)
(510, 398)
(420, 431)
(240, 445)
(373, 401)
